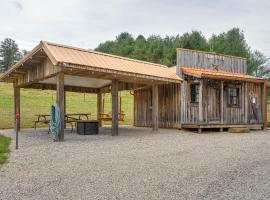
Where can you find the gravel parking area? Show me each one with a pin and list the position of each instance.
(138, 164)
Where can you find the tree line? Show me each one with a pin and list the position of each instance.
(162, 50)
(9, 53)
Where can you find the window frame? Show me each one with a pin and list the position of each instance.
(197, 93)
(236, 97)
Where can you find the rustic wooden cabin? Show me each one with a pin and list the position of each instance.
(218, 93)
(215, 92)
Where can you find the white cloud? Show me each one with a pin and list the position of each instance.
(86, 23)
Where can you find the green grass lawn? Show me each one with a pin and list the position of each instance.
(39, 102)
(4, 148)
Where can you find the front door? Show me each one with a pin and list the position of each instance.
(213, 104)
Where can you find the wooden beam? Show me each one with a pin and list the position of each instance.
(99, 107)
(47, 86)
(201, 101)
(221, 101)
(17, 110)
(155, 107)
(114, 108)
(60, 102)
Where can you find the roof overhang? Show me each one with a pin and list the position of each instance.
(220, 74)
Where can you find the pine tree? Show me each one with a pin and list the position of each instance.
(9, 53)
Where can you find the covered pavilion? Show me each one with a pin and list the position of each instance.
(51, 66)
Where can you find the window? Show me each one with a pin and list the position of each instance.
(194, 90)
(233, 96)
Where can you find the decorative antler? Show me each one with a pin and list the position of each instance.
(215, 66)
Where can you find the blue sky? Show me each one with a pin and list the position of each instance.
(86, 23)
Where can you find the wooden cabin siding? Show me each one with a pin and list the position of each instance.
(197, 59)
(234, 115)
(142, 107)
(189, 110)
(211, 102)
(168, 106)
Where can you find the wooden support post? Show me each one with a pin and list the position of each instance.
(201, 101)
(265, 105)
(99, 108)
(60, 90)
(114, 108)
(246, 102)
(17, 110)
(222, 103)
(65, 106)
(155, 107)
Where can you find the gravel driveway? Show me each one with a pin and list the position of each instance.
(138, 164)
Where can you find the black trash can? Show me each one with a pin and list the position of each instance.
(87, 127)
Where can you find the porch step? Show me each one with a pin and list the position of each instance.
(239, 130)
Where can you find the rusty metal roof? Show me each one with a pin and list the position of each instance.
(62, 54)
(220, 74)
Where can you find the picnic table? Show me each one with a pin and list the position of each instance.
(69, 118)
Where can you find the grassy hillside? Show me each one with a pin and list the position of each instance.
(39, 102)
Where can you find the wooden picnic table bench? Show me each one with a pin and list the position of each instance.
(69, 118)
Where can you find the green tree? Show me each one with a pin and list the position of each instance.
(259, 65)
(154, 51)
(230, 43)
(107, 47)
(9, 53)
(139, 48)
(169, 52)
(163, 50)
(124, 44)
(194, 40)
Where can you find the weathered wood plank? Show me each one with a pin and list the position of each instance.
(60, 102)
(17, 108)
(115, 108)
(221, 102)
(199, 59)
(99, 107)
(155, 107)
(201, 101)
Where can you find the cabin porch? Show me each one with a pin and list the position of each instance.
(222, 103)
